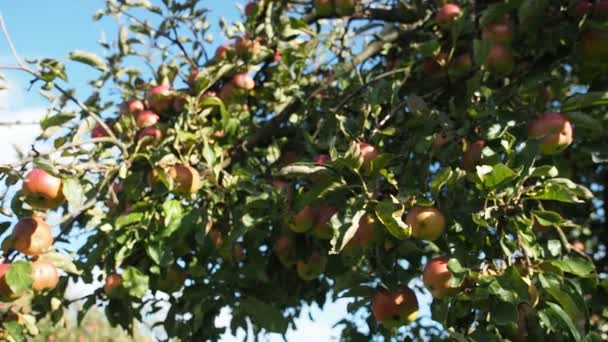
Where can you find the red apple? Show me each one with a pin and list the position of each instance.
(160, 98)
(303, 220)
(132, 107)
(323, 8)
(345, 7)
(113, 281)
(99, 132)
(435, 65)
(153, 132)
(250, 8)
(499, 32)
(245, 46)
(368, 153)
(277, 56)
(436, 277)
(500, 59)
(396, 308)
(243, 81)
(322, 229)
(146, 118)
(472, 155)
(284, 249)
(554, 131)
(322, 159)
(32, 236)
(594, 46)
(222, 52)
(44, 275)
(447, 14)
(43, 190)
(312, 267)
(5, 290)
(427, 223)
(186, 179)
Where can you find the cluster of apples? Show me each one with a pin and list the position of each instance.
(32, 236)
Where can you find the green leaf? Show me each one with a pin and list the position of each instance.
(556, 314)
(547, 218)
(19, 277)
(302, 169)
(531, 13)
(581, 267)
(590, 99)
(354, 226)
(561, 190)
(492, 177)
(551, 284)
(15, 330)
(173, 213)
(73, 192)
(135, 282)
(549, 171)
(129, 219)
(264, 315)
(89, 58)
(61, 261)
(441, 179)
(390, 213)
(56, 120)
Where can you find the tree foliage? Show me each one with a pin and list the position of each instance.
(329, 151)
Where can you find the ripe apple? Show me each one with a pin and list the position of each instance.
(186, 179)
(554, 131)
(427, 223)
(500, 59)
(322, 159)
(153, 132)
(368, 233)
(250, 8)
(43, 190)
(368, 153)
(600, 10)
(323, 8)
(322, 229)
(472, 155)
(132, 107)
(243, 81)
(312, 267)
(44, 275)
(436, 277)
(5, 290)
(285, 251)
(146, 118)
(160, 98)
(594, 46)
(447, 14)
(32, 236)
(345, 7)
(222, 52)
(303, 220)
(113, 281)
(499, 32)
(245, 46)
(99, 132)
(396, 308)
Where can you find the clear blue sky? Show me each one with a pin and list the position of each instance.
(54, 28)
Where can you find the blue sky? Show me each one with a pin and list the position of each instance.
(53, 29)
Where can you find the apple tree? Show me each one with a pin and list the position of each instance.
(380, 151)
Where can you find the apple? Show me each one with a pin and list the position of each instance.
(594, 46)
(99, 132)
(43, 190)
(367, 233)
(160, 98)
(132, 107)
(500, 59)
(285, 251)
(227, 93)
(303, 220)
(193, 74)
(146, 118)
(186, 179)
(312, 267)
(447, 15)
(44, 275)
(600, 10)
(344, 7)
(277, 56)
(32, 236)
(368, 154)
(322, 230)
(245, 46)
(427, 223)
(322, 159)
(113, 281)
(436, 277)
(396, 308)
(499, 32)
(472, 155)
(323, 8)
(441, 138)
(554, 131)
(153, 132)
(581, 8)
(243, 81)
(435, 65)
(250, 8)
(5, 290)
(222, 52)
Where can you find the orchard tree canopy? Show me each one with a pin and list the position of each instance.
(377, 150)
